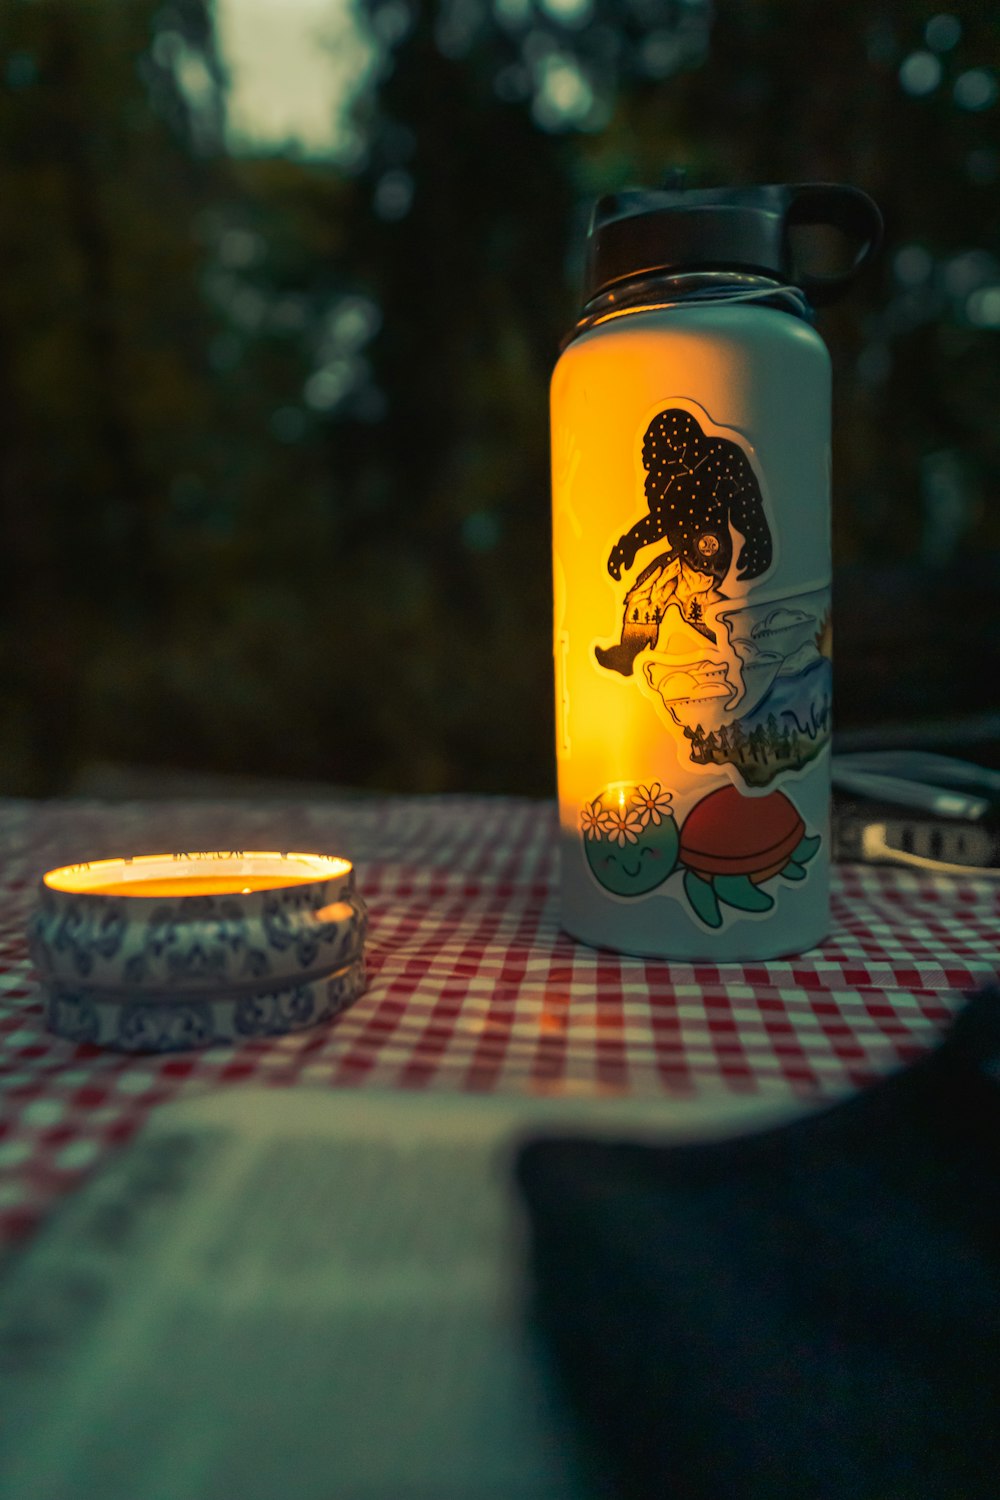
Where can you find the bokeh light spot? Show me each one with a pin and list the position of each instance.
(983, 307)
(391, 22)
(943, 32)
(920, 74)
(975, 89)
(328, 386)
(240, 248)
(353, 322)
(661, 53)
(912, 265)
(393, 195)
(512, 12)
(564, 97)
(569, 12)
(968, 271)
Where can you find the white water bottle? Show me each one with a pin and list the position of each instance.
(691, 551)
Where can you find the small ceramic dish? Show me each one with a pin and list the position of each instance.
(231, 936)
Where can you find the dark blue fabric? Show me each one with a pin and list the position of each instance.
(810, 1313)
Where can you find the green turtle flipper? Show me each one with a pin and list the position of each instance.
(805, 849)
(702, 897)
(740, 891)
(794, 871)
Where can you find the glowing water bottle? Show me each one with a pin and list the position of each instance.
(691, 540)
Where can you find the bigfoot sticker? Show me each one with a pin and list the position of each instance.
(746, 676)
(697, 487)
(729, 847)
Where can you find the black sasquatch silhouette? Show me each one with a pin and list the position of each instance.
(696, 486)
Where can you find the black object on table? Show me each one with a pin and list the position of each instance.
(811, 1313)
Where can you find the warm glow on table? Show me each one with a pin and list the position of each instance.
(201, 874)
(199, 885)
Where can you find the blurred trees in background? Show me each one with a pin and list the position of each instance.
(273, 429)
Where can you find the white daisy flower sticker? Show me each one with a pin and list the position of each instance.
(626, 824)
(594, 819)
(651, 802)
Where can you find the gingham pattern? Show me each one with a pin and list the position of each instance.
(472, 985)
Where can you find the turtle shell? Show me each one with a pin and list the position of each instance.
(727, 833)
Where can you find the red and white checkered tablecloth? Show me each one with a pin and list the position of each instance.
(473, 986)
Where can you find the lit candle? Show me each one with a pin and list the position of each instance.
(205, 874)
(163, 951)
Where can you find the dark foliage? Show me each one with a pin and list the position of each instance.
(273, 430)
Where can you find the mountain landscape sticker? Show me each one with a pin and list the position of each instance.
(765, 707)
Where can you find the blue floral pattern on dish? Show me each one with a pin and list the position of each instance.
(171, 1027)
(208, 942)
(197, 942)
(172, 1023)
(81, 932)
(274, 1014)
(72, 1016)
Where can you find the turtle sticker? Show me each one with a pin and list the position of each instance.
(630, 838)
(731, 845)
(728, 848)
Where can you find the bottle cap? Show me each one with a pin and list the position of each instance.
(647, 232)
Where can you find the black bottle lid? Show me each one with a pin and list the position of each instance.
(646, 232)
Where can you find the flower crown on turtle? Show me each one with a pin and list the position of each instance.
(624, 819)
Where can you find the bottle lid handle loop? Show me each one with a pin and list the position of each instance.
(845, 208)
